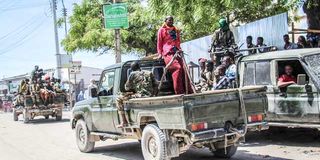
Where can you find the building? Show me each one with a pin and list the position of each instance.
(82, 79)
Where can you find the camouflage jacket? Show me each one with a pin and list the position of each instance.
(222, 39)
(141, 82)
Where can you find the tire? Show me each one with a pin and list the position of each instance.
(15, 116)
(82, 137)
(46, 117)
(25, 116)
(153, 143)
(220, 153)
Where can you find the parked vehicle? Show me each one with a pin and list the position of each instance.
(296, 105)
(30, 111)
(168, 125)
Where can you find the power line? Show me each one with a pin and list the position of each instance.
(22, 39)
(21, 28)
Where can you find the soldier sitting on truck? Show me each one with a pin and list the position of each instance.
(139, 84)
(230, 75)
(206, 81)
(35, 92)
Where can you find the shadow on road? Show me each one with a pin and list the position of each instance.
(45, 121)
(284, 136)
(133, 150)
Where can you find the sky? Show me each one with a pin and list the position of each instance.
(27, 38)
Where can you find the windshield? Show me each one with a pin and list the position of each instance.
(313, 67)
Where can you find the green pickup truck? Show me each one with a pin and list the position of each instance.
(168, 125)
(293, 106)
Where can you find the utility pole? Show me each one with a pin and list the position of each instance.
(54, 8)
(64, 11)
(117, 41)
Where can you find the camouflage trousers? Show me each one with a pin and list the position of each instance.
(125, 97)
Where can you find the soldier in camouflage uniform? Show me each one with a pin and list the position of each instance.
(35, 92)
(221, 39)
(140, 84)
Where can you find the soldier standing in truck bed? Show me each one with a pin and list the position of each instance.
(140, 84)
(222, 39)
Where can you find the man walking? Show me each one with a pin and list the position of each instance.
(168, 44)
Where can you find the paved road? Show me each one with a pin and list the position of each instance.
(50, 140)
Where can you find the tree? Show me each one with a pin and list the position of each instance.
(198, 18)
(88, 34)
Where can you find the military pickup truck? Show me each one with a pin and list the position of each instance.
(30, 111)
(168, 125)
(293, 106)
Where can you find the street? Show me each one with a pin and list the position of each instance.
(51, 140)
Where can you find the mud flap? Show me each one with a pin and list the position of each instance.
(172, 147)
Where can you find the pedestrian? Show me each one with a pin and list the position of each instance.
(287, 43)
(92, 89)
(302, 42)
(250, 45)
(260, 43)
(168, 44)
(222, 38)
(141, 83)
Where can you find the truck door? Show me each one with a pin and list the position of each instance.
(258, 73)
(295, 103)
(105, 110)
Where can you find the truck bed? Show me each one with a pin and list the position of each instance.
(213, 108)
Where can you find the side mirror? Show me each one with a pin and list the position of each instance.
(94, 92)
(302, 79)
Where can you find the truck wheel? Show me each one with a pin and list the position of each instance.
(153, 143)
(82, 136)
(15, 116)
(46, 117)
(25, 116)
(231, 150)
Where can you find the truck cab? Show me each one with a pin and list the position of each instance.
(296, 105)
(168, 124)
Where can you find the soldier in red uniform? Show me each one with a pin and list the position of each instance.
(167, 45)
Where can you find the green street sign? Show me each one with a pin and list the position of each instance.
(116, 16)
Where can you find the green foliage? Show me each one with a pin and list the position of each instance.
(195, 18)
(87, 31)
(199, 17)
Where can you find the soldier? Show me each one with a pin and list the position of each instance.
(250, 45)
(287, 43)
(139, 84)
(261, 44)
(206, 82)
(34, 73)
(230, 74)
(35, 92)
(202, 64)
(218, 74)
(221, 39)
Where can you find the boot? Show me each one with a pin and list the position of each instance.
(123, 120)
